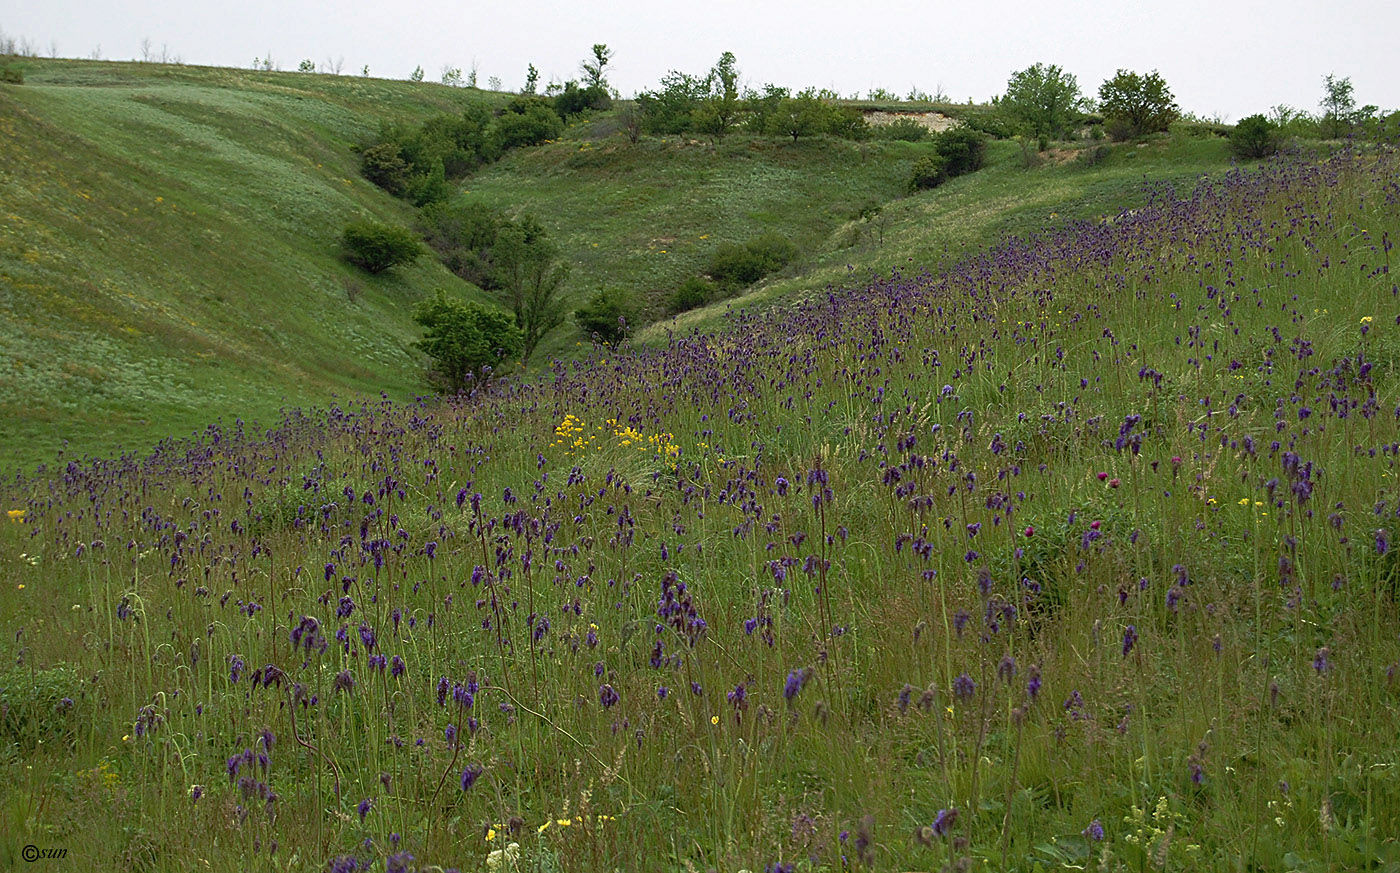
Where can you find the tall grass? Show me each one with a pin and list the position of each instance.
(1075, 554)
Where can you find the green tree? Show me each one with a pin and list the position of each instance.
(719, 111)
(1338, 105)
(532, 80)
(606, 315)
(803, 115)
(1254, 137)
(526, 265)
(1133, 104)
(377, 247)
(383, 164)
(1043, 100)
(593, 75)
(465, 340)
(416, 75)
(671, 108)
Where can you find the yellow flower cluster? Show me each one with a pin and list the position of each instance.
(572, 435)
(16, 514)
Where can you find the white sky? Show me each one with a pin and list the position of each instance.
(1229, 58)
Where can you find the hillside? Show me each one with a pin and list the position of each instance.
(168, 236)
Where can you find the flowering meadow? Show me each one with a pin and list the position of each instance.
(1078, 555)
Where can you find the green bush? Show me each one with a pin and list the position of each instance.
(10, 74)
(607, 315)
(526, 122)
(901, 130)
(377, 247)
(466, 341)
(384, 165)
(963, 150)
(735, 266)
(929, 171)
(462, 235)
(1134, 105)
(1254, 137)
(574, 100)
(692, 294)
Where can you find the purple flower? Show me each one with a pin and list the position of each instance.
(1382, 541)
(1094, 831)
(943, 822)
(364, 807)
(1130, 638)
(607, 696)
(1322, 660)
(964, 687)
(469, 776)
(795, 680)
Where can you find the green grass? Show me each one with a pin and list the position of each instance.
(168, 236)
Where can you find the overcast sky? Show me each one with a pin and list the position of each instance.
(1229, 58)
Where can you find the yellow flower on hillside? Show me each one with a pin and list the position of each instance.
(16, 514)
(1366, 319)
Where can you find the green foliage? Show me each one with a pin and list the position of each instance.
(40, 706)
(1254, 137)
(383, 164)
(574, 100)
(671, 108)
(608, 315)
(466, 341)
(929, 171)
(416, 75)
(306, 66)
(594, 77)
(532, 80)
(1043, 100)
(528, 270)
(1338, 105)
(526, 122)
(762, 107)
(693, 293)
(1135, 105)
(901, 130)
(377, 247)
(735, 266)
(11, 74)
(963, 150)
(799, 116)
(462, 235)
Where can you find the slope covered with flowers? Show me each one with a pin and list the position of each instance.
(1078, 553)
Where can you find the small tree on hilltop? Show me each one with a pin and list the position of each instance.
(593, 75)
(1134, 104)
(1338, 105)
(377, 247)
(465, 340)
(1043, 99)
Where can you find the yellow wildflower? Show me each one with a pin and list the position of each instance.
(16, 514)
(1366, 319)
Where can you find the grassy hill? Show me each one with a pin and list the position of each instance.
(168, 235)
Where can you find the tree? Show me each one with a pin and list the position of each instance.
(1338, 105)
(718, 112)
(606, 316)
(416, 75)
(465, 340)
(963, 150)
(306, 66)
(532, 80)
(377, 247)
(1254, 137)
(671, 108)
(593, 75)
(803, 115)
(383, 164)
(1134, 104)
(1043, 99)
(526, 266)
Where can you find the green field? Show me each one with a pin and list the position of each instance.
(168, 236)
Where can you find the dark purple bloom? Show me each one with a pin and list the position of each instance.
(964, 687)
(364, 807)
(1130, 638)
(1094, 831)
(943, 822)
(607, 696)
(795, 680)
(470, 775)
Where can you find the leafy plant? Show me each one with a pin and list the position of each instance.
(1043, 99)
(606, 315)
(377, 247)
(528, 270)
(1254, 137)
(1134, 104)
(465, 340)
(693, 293)
(734, 266)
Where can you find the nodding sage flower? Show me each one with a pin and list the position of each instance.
(235, 668)
(1130, 638)
(469, 776)
(1382, 541)
(364, 807)
(943, 822)
(1094, 831)
(795, 680)
(607, 696)
(964, 687)
(1322, 661)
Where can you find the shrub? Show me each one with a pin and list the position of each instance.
(930, 171)
(574, 100)
(526, 122)
(1043, 100)
(692, 294)
(963, 150)
(465, 340)
(734, 266)
(1254, 137)
(901, 130)
(11, 74)
(377, 247)
(383, 164)
(606, 315)
(462, 235)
